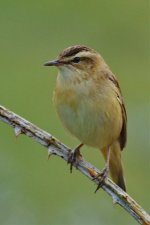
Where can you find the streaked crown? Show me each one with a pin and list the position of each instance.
(78, 59)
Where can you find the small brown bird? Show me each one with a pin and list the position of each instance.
(89, 103)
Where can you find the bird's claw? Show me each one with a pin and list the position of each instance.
(74, 157)
(101, 177)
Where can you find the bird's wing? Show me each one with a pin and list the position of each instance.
(123, 133)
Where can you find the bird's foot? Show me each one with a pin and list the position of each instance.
(74, 157)
(101, 177)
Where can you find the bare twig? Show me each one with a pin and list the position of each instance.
(22, 126)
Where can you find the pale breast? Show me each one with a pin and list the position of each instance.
(93, 118)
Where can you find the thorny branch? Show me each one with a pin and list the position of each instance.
(22, 126)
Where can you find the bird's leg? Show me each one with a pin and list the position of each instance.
(75, 156)
(104, 173)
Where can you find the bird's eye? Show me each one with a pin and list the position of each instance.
(76, 60)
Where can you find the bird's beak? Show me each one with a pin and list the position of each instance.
(52, 63)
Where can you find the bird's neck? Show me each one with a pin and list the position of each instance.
(67, 78)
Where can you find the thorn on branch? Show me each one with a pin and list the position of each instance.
(50, 151)
(115, 199)
(92, 172)
(18, 131)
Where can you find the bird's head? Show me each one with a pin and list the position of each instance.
(77, 61)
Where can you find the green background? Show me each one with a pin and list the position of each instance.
(33, 190)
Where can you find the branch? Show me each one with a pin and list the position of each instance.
(55, 147)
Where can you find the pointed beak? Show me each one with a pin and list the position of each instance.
(52, 63)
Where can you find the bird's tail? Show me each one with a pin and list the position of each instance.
(115, 164)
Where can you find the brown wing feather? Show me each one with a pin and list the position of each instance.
(123, 133)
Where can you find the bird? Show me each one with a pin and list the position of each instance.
(89, 102)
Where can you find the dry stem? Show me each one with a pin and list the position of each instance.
(22, 126)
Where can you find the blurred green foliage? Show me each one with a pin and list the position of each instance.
(33, 190)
